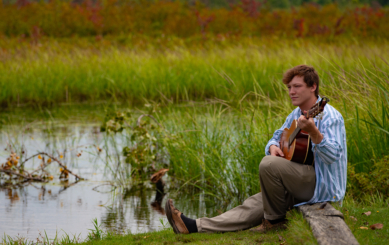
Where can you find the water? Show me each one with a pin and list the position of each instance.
(32, 210)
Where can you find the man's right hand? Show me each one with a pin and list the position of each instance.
(275, 151)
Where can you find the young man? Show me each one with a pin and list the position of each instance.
(284, 183)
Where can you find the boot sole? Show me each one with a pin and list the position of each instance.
(170, 217)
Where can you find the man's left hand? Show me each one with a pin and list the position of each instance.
(308, 125)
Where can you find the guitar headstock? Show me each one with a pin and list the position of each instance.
(317, 108)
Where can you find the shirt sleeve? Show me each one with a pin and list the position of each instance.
(330, 148)
(277, 134)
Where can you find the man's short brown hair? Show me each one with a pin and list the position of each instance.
(307, 72)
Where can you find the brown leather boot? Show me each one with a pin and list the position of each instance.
(174, 218)
(267, 226)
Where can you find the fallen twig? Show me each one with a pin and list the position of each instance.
(60, 164)
(29, 177)
(11, 168)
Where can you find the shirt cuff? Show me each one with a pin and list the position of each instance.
(321, 144)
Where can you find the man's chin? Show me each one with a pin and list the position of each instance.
(295, 103)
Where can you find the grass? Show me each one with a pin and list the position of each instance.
(298, 233)
(58, 72)
(168, 237)
(355, 219)
(42, 239)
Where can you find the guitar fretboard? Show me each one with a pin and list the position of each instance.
(293, 135)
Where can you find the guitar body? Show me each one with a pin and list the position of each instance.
(299, 150)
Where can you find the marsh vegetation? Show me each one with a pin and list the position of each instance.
(120, 104)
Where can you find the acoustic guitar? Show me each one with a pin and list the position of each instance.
(296, 143)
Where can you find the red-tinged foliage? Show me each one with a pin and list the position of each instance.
(251, 7)
(166, 18)
(203, 21)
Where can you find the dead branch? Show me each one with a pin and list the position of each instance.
(60, 164)
(29, 177)
(12, 162)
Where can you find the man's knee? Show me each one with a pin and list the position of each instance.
(267, 163)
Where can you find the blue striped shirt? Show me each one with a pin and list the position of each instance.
(330, 154)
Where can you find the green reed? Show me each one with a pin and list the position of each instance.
(56, 72)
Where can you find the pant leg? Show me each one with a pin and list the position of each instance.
(242, 217)
(283, 184)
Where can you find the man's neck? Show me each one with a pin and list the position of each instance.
(308, 104)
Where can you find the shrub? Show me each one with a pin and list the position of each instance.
(377, 180)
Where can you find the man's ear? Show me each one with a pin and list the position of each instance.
(313, 88)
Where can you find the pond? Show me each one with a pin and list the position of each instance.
(59, 207)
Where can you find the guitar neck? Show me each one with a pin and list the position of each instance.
(293, 135)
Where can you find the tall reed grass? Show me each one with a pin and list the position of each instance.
(59, 73)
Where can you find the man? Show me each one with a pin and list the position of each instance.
(284, 183)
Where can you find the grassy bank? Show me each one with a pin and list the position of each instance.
(298, 231)
(78, 70)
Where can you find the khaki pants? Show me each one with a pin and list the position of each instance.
(283, 184)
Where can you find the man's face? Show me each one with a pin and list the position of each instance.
(299, 92)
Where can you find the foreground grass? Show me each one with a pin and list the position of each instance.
(355, 219)
(298, 233)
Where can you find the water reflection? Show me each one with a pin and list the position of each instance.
(159, 195)
(65, 184)
(70, 207)
(67, 205)
(12, 195)
(60, 206)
